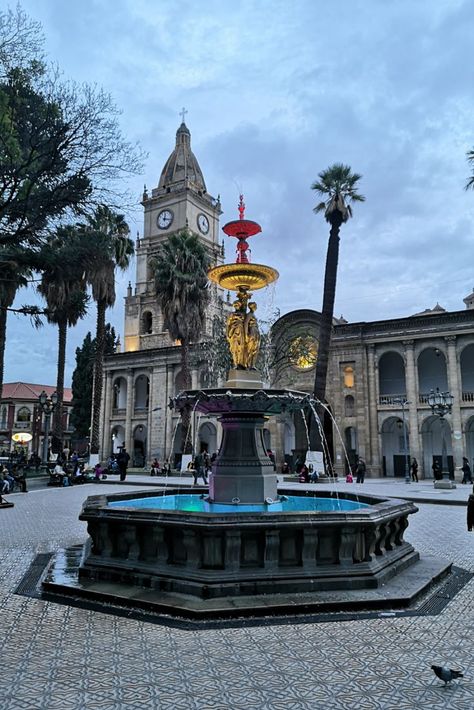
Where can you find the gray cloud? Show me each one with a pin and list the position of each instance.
(276, 92)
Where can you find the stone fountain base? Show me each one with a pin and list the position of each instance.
(211, 555)
(204, 566)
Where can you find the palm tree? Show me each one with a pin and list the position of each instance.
(180, 271)
(63, 287)
(110, 248)
(338, 186)
(13, 276)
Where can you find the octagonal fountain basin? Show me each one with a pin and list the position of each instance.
(201, 504)
(183, 544)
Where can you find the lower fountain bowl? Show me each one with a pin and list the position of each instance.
(211, 554)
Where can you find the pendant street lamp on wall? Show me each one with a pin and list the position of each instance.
(441, 403)
(48, 405)
(403, 402)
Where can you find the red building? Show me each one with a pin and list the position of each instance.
(20, 411)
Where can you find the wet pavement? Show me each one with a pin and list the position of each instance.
(56, 656)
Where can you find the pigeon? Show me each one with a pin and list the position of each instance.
(446, 674)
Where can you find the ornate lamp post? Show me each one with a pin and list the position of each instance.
(47, 405)
(403, 402)
(441, 403)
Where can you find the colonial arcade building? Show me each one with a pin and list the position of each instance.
(373, 365)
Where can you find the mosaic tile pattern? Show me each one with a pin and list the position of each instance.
(61, 657)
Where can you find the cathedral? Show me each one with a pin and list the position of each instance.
(380, 373)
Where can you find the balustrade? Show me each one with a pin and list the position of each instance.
(391, 399)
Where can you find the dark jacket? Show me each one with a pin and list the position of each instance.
(470, 513)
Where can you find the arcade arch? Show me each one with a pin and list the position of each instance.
(393, 446)
(118, 438)
(207, 438)
(437, 443)
(470, 440)
(139, 451)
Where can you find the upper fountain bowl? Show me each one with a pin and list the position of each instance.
(238, 401)
(242, 275)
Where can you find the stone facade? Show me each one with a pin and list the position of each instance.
(375, 365)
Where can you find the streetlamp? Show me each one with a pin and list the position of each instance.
(403, 402)
(47, 405)
(441, 403)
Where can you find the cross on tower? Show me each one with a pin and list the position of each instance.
(183, 113)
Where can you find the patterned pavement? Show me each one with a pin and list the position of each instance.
(62, 657)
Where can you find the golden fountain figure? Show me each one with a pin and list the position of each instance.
(242, 330)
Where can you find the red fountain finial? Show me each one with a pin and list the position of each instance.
(242, 229)
(241, 207)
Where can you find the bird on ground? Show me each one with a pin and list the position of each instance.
(446, 674)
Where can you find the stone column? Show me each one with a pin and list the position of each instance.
(453, 384)
(168, 439)
(150, 416)
(129, 412)
(412, 396)
(279, 443)
(106, 434)
(373, 409)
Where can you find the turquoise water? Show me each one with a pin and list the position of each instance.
(196, 504)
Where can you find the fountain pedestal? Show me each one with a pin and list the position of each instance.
(243, 472)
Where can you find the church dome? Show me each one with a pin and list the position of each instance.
(182, 165)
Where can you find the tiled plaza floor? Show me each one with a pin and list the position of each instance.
(54, 656)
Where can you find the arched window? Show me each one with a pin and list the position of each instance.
(392, 374)
(147, 323)
(432, 371)
(348, 374)
(467, 373)
(142, 392)
(4, 417)
(120, 393)
(349, 406)
(23, 415)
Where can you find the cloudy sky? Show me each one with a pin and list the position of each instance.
(277, 91)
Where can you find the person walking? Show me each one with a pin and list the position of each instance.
(437, 473)
(199, 470)
(361, 470)
(122, 459)
(466, 471)
(414, 470)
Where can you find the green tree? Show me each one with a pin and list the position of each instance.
(181, 286)
(13, 275)
(61, 153)
(82, 380)
(109, 248)
(63, 287)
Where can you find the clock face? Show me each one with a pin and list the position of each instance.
(164, 219)
(203, 223)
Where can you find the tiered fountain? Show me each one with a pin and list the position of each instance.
(242, 545)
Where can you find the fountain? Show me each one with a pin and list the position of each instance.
(245, 544)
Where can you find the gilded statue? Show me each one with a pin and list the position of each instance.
(243, 334)
(252, 336)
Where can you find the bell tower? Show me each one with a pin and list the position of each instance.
(179, 201)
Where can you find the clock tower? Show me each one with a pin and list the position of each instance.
(180, 201)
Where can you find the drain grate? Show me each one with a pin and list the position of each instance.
(28, 586)
(436, 602)
(433, 604)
